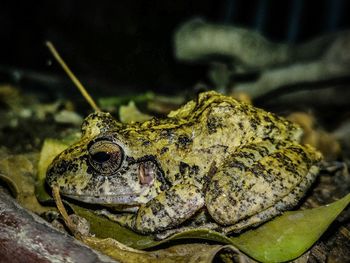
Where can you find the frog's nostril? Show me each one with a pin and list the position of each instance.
(101, 157)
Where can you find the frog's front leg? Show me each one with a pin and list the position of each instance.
(169, 209)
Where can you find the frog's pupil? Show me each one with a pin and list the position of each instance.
(101, 157)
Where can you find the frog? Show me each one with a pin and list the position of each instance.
(214, 163)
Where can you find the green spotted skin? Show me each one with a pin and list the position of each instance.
(169, 208)
(257, 178)
(237, 164)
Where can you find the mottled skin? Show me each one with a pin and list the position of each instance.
(233, 163)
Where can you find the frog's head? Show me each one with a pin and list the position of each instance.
(101, 168)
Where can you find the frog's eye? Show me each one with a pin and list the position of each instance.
(105, 156)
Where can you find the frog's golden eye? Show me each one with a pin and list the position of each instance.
(105, 156)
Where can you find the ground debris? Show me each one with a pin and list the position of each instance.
(25, 235)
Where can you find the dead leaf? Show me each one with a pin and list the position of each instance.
(130, 113)
(18, 172)
(178, 253)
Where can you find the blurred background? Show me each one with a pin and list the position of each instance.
(118, 46)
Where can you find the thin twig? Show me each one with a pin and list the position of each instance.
(71, 75)
(57, 197)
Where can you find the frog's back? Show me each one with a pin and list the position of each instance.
(204, 132)
(224, 118)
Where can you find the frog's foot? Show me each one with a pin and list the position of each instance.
(124, 219)
(169, 209)
(284, 204)
(201, 220)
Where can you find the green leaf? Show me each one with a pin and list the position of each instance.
(203, 253)
(102, 227)
(105, 228)
(290, 235)
(123, 244)
(281, 239)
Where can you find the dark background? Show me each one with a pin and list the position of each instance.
(115, 46)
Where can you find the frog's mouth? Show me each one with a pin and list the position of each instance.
(129, 199)
(106, 193)
(133, 185)
(121, 200)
